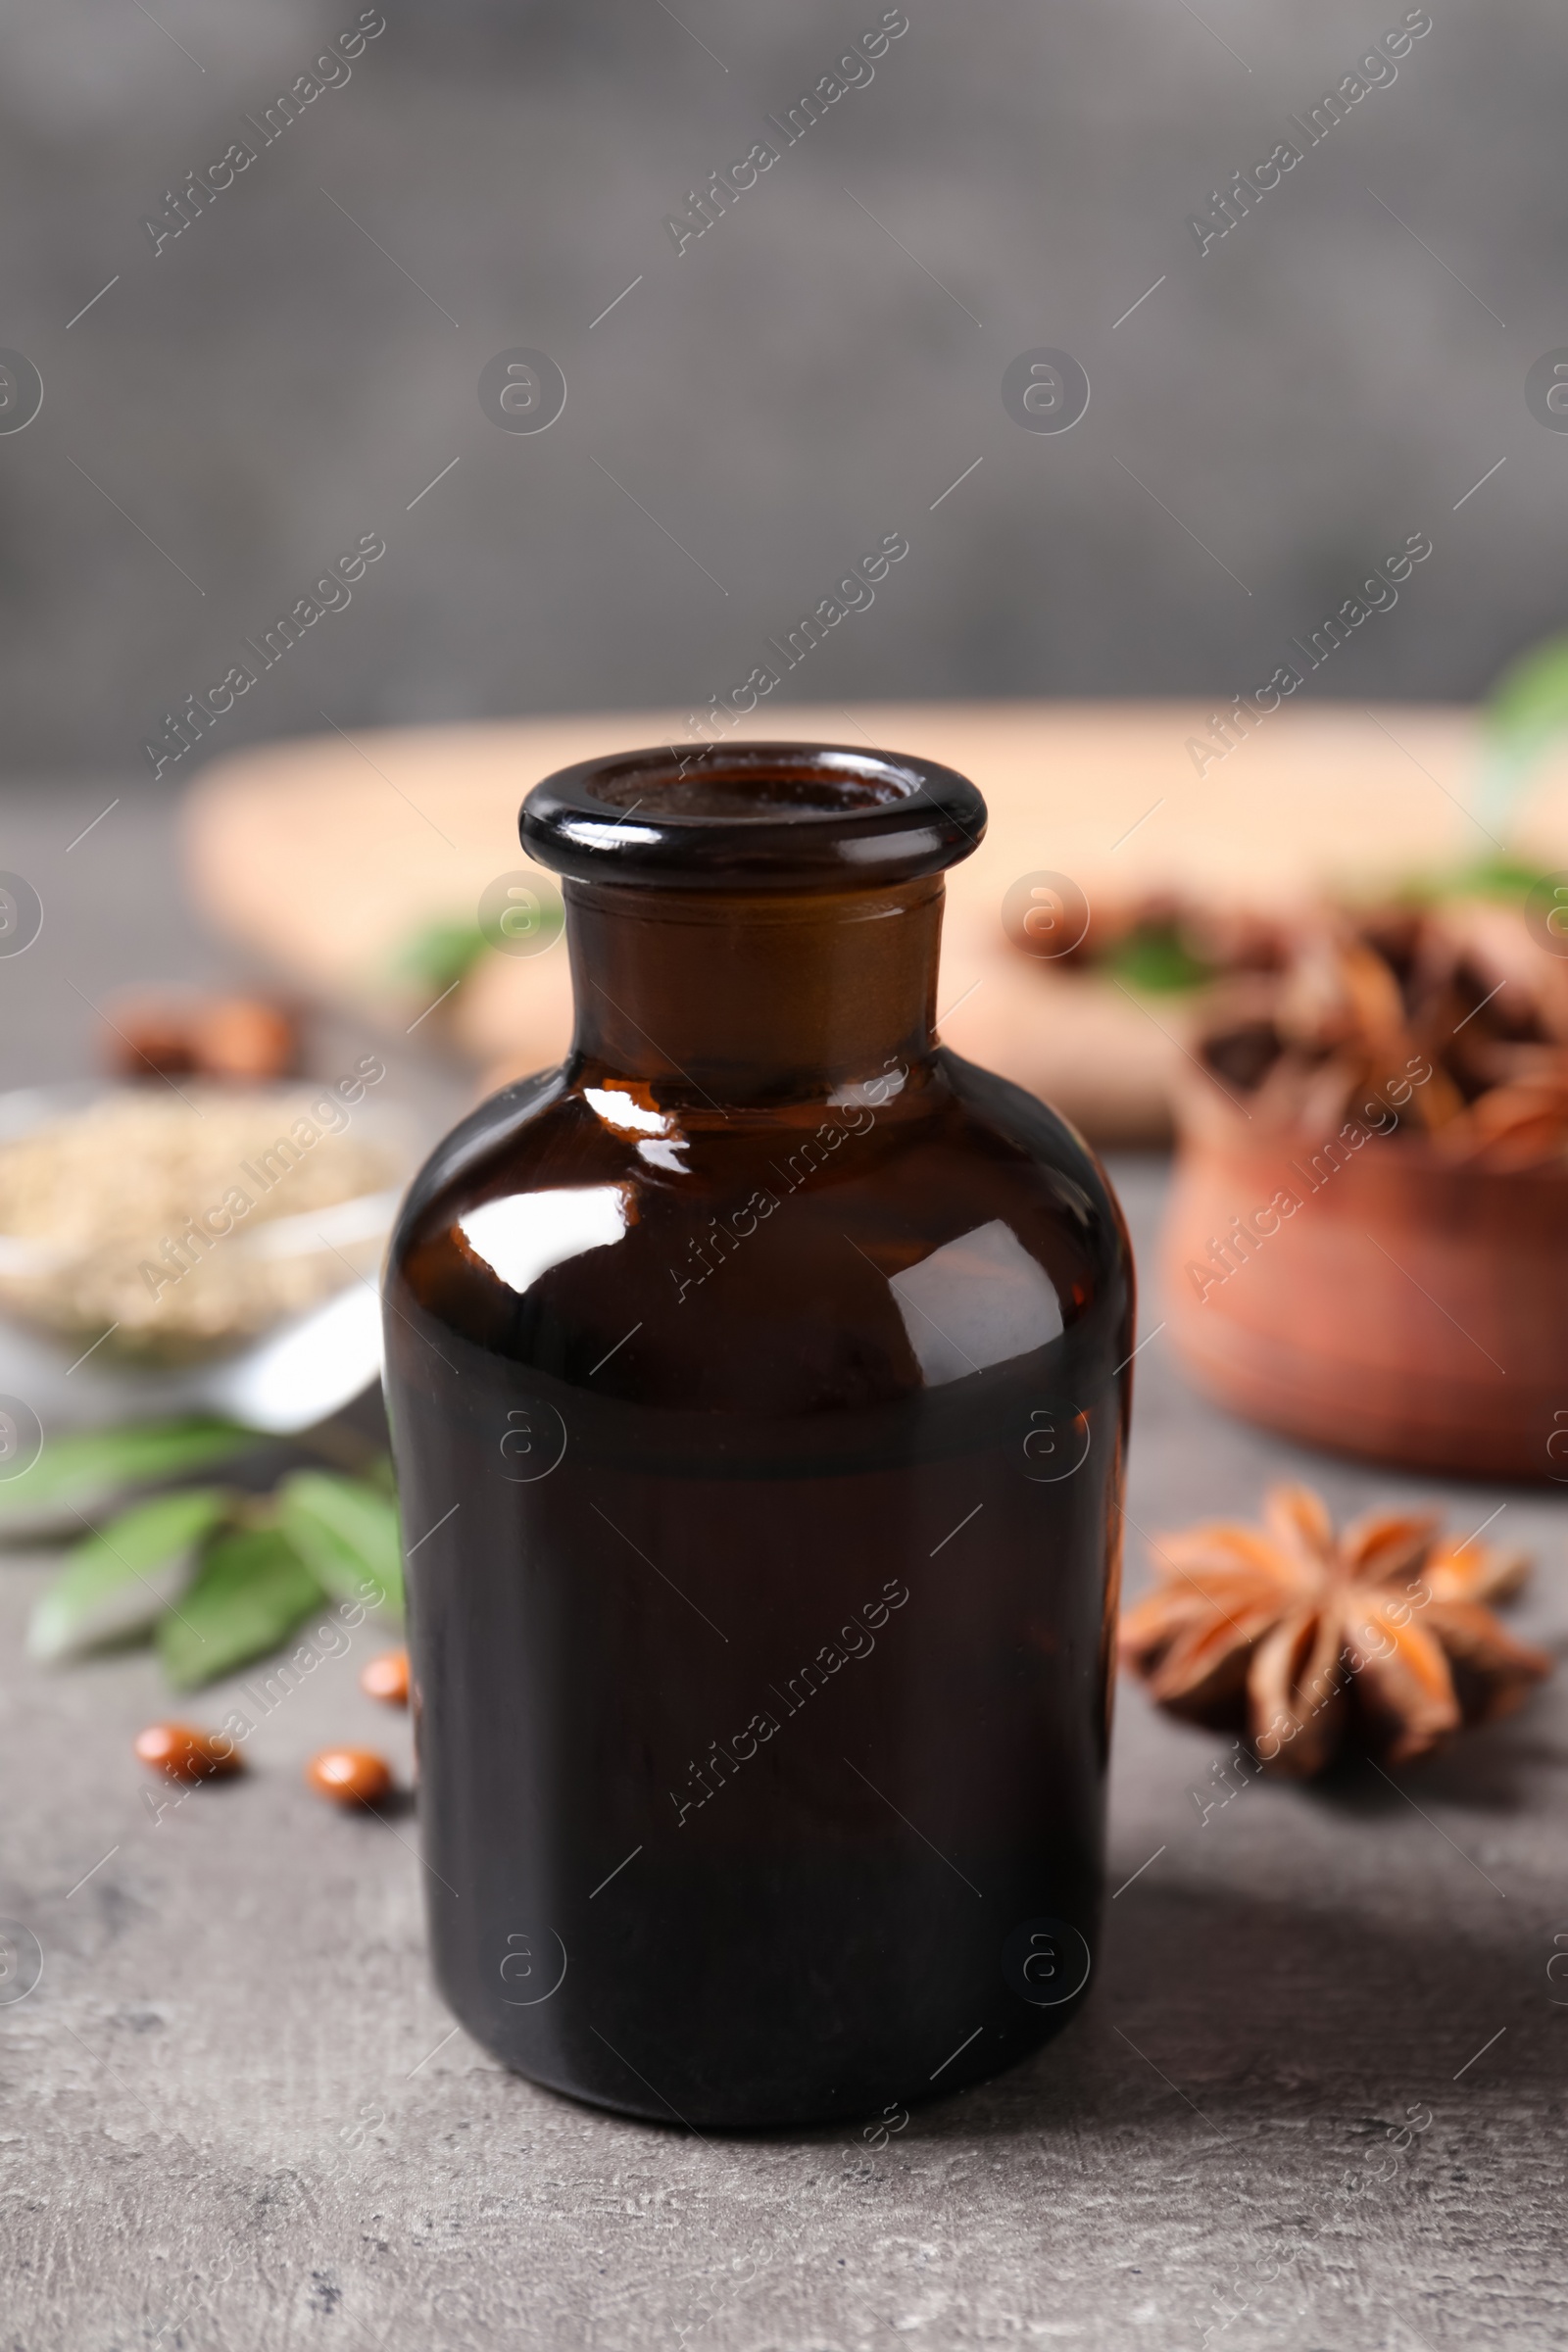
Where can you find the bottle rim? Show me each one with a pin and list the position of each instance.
(753, 816)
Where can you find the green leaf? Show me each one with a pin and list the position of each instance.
(1155, 958)
(76, 1475)
(1497, 875)
(1529, 704)
(442, 953)
(1525, 712)
(250, 1593)
(118, 1581)
(348, 1531)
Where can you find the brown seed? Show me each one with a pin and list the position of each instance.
(182, 1754)
(245, 1037)
(350, 1776)
(147, 1037)
(154, 1035)
(387, 1678)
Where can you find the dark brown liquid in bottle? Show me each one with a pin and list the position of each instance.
(761, 1375)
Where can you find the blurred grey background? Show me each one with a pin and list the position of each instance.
(291, 371)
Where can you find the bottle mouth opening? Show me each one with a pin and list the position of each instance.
(800, 816)
(743, 789)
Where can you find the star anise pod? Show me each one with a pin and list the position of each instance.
(1460, 997)
(1307, 1643)
(1522, 1123)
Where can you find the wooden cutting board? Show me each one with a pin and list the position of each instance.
(329, 854)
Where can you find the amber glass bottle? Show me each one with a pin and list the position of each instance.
(758, 1390)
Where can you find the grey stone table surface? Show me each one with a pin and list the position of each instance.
(1316, 2102)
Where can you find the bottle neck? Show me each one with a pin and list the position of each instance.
(765, 998)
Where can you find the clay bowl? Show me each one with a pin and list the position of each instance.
(1372, 1298)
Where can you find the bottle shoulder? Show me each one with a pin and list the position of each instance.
(540, 1132)
(867, 1248)
(491, 1148)
(998, 1113)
